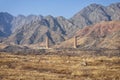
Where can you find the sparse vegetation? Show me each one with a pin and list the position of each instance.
(58, 67)
(93, 54)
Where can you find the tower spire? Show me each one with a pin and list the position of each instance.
(47, 43)
(75, 41)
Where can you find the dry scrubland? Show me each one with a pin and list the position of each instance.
(58, 67)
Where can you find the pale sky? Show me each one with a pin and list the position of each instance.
(66, 8)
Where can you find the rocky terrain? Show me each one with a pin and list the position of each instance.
(5, 24)
(100, 35)
(23, 55)
(96, 13)
(39, 28)
(34, 29)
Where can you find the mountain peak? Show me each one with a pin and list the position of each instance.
(117, 4)
(4, 13)
(49, 16)
(33, 28)
(95, 13)
(95, 5)
(22, 16)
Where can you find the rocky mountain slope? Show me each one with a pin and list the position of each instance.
(34, 29)
(96, 13)
(5, 24)
(100, 35)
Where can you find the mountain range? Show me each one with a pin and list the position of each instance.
(104, 35)
(33, 29)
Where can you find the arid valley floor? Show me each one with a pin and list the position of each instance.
(38, 44)
(58, 67)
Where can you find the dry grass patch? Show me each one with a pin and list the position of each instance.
(55, 67)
